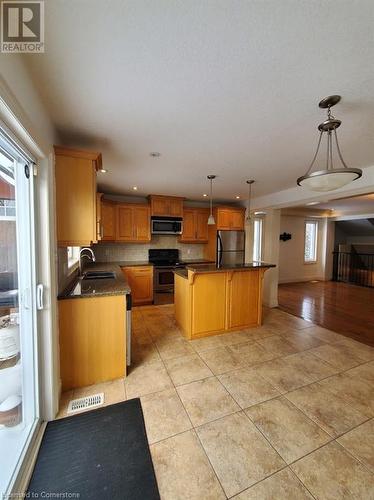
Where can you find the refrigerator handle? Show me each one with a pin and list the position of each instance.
(220, 248)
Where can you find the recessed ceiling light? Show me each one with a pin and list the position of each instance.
(103, 170)
(205, 195)
(135, 188)
(237, 197)
(155, 154)
(313, 203)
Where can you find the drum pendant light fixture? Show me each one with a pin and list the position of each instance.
(331, 177)
(211, 220)
(249, 182)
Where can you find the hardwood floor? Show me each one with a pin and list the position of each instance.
(342, 307)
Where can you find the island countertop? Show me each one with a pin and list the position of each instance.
(209, 268)
(212, 299)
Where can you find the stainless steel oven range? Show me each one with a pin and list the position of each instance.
(164, 262)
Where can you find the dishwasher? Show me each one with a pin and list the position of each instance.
(128, 328)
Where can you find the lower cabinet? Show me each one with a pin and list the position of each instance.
(92, 340)
(243, 290)
(140, 279)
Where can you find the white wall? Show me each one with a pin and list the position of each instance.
(23, 112)
(291, 253)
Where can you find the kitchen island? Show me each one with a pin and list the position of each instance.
(210, 299)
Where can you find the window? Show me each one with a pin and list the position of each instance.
(257, 239)
(7, 209)
(73, 257)
(310, 246)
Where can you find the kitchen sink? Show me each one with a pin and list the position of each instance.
(98, 275)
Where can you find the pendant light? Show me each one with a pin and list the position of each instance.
(211, 220)
(330, 178)
(249, 182)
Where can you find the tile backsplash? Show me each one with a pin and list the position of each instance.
(108, 252)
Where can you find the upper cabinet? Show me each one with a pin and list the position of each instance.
(230, 218)
(166, 206)
(195, 225)
(132, 223)
(75, 176)
(108, 220)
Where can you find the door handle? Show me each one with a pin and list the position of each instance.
(40, 297)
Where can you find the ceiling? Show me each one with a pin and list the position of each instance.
(345, 206)
(358, 227)
(226, 87)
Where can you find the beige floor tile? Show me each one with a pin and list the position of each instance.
(240, 455)
(233, 338)
(283, 485)
(259, 332)
(114, 391)
(206, 343)
(221, 360)
(147, 379)
(64, 402)
(331, 473)
(360, 443)
(323, 334)
(187, 369)
(314, 367)
(337, 355)
(363, 372)
(291, 433)
(329, 411)
(159, 333)
(298, 323)
(206, 400)
(247, 387)
(358, 393)
(361, 351)
(183, 470)
(144, 353)
(277, 345)
(282, 375)
(174, 349)
(164, 415)
(251, 353)
(301, 340)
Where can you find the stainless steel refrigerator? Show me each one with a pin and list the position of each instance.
(230, 247)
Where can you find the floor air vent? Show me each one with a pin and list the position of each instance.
(86, 402)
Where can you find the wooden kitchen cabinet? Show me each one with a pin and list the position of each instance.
(92, 335)
(133, 223)
(195, 225)
(229, 218)
(244, 295)
(75, 178)
(98, 217)
(140, 279)
(108, 220)
(166, 206)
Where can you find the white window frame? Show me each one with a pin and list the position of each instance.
(258, 238)
(314, 259)
(73, 258)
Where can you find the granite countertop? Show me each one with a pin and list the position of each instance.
(196, 261)
(99, 287)
(208, 268)
(132, 263)
(181, 272)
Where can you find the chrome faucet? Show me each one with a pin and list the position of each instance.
(82, 254)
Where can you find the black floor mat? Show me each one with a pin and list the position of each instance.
(100, 454)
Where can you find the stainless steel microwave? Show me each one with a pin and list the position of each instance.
(166, 225)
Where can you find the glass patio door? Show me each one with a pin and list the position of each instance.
(19, 406)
